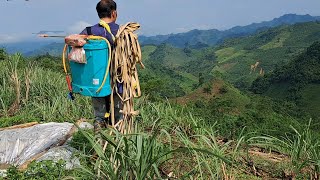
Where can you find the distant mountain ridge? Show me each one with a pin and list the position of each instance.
(53, 49)
(202, 38)
(32, 47)
(194, 39)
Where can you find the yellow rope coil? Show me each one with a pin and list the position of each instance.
(126, 55)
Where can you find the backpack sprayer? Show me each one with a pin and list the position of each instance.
(89, 64)
(87, 68)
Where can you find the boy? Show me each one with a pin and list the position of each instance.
(107, 27)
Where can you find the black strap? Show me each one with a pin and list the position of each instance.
(89, 31)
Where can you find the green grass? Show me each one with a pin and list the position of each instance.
(188, 85)
(146, 51)
(43, 99)
(302, 149)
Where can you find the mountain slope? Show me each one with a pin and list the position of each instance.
(53, 49)
(24, 47)
(297, 81)
(162, 76)
(203, 38)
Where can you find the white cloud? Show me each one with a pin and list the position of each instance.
(77, 27)
(12, 38)
(20, 37)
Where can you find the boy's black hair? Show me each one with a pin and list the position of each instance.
(105, 8)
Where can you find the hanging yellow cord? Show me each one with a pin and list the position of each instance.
(107, 27)
(64, 58)
(109, 59)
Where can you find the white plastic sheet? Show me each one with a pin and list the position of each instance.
(17, 146)
(65, 153)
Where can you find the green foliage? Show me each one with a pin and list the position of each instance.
(226, 54)
(133, 156)
(48, 62)
(207, 88)
(291, 81)
(162, 77)
(260, 85)
(234, 110)
(80, 142)
(39, 170)
(310, 99)
(301, 71)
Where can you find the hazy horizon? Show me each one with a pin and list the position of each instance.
(157, 17)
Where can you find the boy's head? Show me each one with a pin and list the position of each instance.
(107, 9)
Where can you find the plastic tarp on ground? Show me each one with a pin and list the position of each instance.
(65, 153)
(19, 146)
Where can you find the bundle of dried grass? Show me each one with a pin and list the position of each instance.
(126, 55)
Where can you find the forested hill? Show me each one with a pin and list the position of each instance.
(298, 81)
(203, 38)
(267, 49)
(303, 70)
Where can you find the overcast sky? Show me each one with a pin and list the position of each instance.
(19, 18)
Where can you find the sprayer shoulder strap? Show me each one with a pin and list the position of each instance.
(89, 32)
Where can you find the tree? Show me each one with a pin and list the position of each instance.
(3, 54)
(201, 79)
(207, 88)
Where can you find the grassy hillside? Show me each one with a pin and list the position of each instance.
(34, 90)
(169, 141)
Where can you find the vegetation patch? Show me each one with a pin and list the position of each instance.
(278, 41)
(227, 54)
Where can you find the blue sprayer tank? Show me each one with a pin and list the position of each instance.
(87, 78)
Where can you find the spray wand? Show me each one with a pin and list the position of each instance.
(68, 78)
